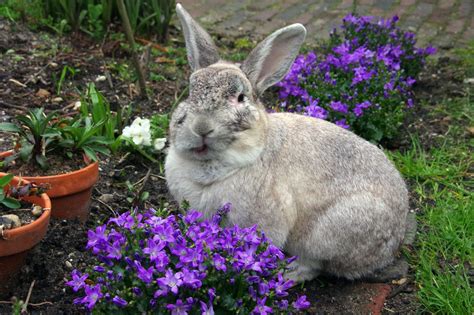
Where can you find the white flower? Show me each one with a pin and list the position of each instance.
(77, 105)
(100, 78)
(138, 131)
(159, 143)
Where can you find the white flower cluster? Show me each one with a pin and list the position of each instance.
(139, 132)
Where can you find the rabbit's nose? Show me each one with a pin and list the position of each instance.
(202, 129)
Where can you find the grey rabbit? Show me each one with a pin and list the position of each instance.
(317, 191)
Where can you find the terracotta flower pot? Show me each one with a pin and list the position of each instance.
(15, 243)
(70, 193)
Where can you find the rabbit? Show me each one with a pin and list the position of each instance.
(317, 191)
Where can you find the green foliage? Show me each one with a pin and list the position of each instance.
(81, 135)
(67, 71)
(35, 132)
(6, 200)
(40, 134)
(441, 178)
(111, 123)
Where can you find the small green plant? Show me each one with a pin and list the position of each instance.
(40, 135)
(95, 105)
(67, 71)
(35, 132)
(82, 136)
(5, 199)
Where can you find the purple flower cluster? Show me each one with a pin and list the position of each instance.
(183, 264)
(362, 81)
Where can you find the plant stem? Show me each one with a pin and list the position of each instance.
(131, 41)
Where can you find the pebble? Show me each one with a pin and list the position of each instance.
(37, 211)
(57, 99)
(469, 81)
(10, 221)
(68, 265)
(106, 198)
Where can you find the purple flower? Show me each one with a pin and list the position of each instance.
(114, 251)
(190, 278)
(342, 123)
(119, 301)
(77, 281)
(146, 275)
(339, 107)
(171, 281)
(301, 303)
(179, 308)
(93, 295)
(282, 285)
(96, 238)
(358, 109)
(361, 74)
(206, 309)
(219, 262)
(261, 308)
(192, 216)
(316, 111)
(154, 249)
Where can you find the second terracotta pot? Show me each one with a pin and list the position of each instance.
(70, 193)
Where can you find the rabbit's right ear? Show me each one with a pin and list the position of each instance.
(201, 50)
(269, 62)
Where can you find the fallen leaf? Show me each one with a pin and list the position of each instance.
(43, 93)
(399, 282)
(164, 60)
(471, 130)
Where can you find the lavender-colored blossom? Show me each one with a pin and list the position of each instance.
(93, 295)
(316, 111)
(144, 274)
(178, 308)
(261, 308)
(206, 309)
(77, 281)
(342, 123)
(119, 301)
(171, 281)
(301, 303)
(339, 107)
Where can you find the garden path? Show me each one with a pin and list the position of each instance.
(443, 23)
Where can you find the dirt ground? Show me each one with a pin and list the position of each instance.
(31, 61)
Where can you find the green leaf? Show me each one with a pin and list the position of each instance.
(5, 180)
(9, 127)
(11, 203)
(41, 160)
(90, 153)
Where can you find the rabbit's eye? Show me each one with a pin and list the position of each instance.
(240, 98)
(181, 120)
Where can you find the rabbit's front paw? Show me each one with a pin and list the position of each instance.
(299, 273)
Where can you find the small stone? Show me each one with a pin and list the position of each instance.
(53, 64)
(106, 198)
(469, 81)
(100, 78)
(77, 105)
(68, 265)
(37, 211)
(57, 99)
(10, 221)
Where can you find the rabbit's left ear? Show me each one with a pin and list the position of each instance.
(201, 50)
(269, 62)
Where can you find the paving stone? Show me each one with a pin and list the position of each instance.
(465, 9)
(455, 26)
(384, 4)
(407, 3)
(445, 4)
(423, 9)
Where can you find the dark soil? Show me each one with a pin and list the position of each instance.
(37, 59)
(56, 165)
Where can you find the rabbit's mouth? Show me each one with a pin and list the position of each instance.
(202, 150)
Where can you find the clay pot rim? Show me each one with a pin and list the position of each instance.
(9, 234)
(59, 176)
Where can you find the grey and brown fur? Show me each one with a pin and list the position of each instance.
(317, 191)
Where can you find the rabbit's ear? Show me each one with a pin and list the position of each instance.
(201, 50)
(269, 62)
